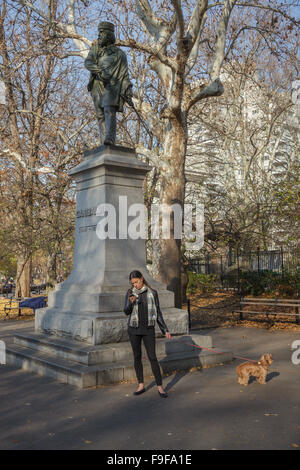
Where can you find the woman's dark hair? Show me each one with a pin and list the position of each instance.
(138, 274)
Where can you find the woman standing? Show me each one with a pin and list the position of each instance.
(142, 304)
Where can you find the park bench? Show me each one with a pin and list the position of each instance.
(274, 305)
(19, 304)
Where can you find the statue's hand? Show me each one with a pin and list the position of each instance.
(97, 74)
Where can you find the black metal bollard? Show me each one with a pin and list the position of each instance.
(189, 312)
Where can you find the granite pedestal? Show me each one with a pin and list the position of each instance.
(88, 306)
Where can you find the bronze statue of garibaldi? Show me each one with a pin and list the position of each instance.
(109, 83)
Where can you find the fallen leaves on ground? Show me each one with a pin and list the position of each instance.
(219, 313)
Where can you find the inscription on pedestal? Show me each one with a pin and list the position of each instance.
(88, 228)
(90, 211)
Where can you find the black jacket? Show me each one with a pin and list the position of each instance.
(128, 307)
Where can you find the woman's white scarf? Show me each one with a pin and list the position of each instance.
(152, 312)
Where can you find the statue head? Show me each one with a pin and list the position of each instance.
(106, 35)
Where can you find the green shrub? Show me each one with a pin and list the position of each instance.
(276, 284)
(286, 284)
(251, 283)
(206, 283)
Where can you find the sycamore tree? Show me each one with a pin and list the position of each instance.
(185, 43)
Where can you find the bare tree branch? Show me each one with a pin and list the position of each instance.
(214, 88)
(17, 157)
(151, 50)
(195, 49)
(69, 29)
(159, 31)
(180, 24)
(221, 39)
(269, 8)
(197, 20)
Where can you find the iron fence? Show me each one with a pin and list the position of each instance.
(228, 268)
(259, 260)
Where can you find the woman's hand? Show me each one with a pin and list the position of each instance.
(168, 335)
(132, 298)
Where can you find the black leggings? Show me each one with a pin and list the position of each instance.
(149, 342)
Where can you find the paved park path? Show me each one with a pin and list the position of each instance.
(205, 409)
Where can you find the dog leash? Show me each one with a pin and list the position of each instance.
(218, 352)
(215, 351)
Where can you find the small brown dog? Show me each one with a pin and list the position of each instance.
(256, 369)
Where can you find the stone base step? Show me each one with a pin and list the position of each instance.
(106, 353)
(70, 372)
(44, 364)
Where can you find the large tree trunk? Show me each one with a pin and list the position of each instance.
(172, 192)
(51, 271)
(23, 277)
(25, 217)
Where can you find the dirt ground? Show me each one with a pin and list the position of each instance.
(215, 310)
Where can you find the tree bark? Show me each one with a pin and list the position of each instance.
(23, 277)
(51, 270)
(172, 191)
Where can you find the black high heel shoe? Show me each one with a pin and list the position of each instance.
(163, 395)
(139, 392)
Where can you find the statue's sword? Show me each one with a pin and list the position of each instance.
(130, 103)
